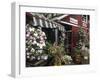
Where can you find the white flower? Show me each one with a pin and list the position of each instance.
(38, 58)
(40, 33)
(28, 53)
(31, 37)
(83, 47)
(40, 51)
(43, 34)
(39, 30)
(44, 57)
(37, 44)
(28, 57)
(42, 41)
(31, 29)
(85, 57)
(26, 49)
(41, 46)
(30, 41)
(32, 57)
(32, 50)
(34, 39)
(41, 38)
(27, 35)
(44, 44)
(35, 34)
(34, 42)
(68, 57)
(45, 37)
(37, 37)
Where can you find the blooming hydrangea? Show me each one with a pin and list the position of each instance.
(35, 42)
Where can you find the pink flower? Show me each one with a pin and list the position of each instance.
(41, 38)
(31, 37)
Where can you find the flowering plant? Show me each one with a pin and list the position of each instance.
(58, 54)
(35, 41)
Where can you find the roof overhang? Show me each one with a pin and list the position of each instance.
(60, 17)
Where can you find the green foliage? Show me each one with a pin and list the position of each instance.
(77, 50)
(57, 52)
(81, 35)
